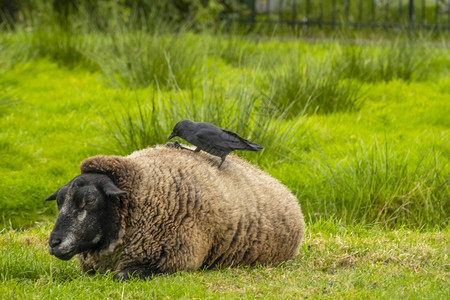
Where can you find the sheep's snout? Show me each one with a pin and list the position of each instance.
(61, 247)
(54, 243)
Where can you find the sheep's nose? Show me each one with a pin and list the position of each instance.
(55, 242)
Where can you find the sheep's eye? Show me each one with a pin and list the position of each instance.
(90, 199)
(60, 196)
(59, 203)
(87, 196)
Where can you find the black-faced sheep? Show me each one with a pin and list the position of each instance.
(162, 210)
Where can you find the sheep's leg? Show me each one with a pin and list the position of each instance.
(136, 272)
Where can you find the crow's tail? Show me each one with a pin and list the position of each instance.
(254, 147)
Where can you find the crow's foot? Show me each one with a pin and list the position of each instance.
(176, 145)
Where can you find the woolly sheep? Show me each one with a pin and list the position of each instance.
(162, 210)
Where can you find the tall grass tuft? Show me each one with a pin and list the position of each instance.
(149, 121)
(60, 40)
(136, 59)
(84, 36)
(311, 85)
(245, 52)
(376, 184)
(397, 60)
(66, 50)
(14, 50)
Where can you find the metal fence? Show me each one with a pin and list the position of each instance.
(412, 14)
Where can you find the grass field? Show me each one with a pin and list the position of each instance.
(358, 130)
(334, 262)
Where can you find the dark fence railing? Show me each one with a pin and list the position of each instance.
(412, 14)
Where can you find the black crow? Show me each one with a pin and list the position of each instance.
(211, 138)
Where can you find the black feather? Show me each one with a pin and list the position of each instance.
(212, 139)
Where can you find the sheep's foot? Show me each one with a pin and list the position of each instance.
(135, 272)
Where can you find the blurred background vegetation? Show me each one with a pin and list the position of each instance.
(102, 13)
(206, 13)
(354, 120)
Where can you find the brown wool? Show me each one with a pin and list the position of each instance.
(182, 213)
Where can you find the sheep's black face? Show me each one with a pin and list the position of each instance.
(85, 207)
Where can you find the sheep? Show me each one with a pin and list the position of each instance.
(163, 210)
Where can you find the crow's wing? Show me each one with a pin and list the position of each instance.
(252, 146)
(224, 140)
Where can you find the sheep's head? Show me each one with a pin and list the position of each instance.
(85, 207)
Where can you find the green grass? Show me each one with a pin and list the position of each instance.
(335, 261)
(357, 130)
(313, 86)
(398, 60)
(137, 59)
(361, 151)
(152, 116)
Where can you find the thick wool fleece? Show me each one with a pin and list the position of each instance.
(182, 213)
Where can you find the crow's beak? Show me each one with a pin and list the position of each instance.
(171, 135)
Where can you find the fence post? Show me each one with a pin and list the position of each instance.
(307, 9)
(436, 14)
(410, 19)
(251, 5)
(281, 11)
(411, 14)
(347, 11)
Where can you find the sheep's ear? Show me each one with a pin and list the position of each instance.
(52, 196)
(112, 191)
